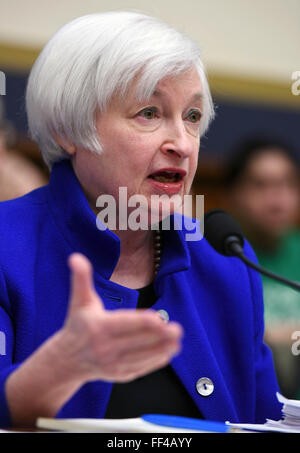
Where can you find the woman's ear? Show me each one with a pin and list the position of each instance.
(69, 147)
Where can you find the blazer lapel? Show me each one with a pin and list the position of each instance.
(197, 359)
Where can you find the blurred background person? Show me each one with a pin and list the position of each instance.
(18, 175)
(264, 196)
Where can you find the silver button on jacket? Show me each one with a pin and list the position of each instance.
(164, 315)
(205, 386)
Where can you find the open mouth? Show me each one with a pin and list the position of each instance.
(167, 176)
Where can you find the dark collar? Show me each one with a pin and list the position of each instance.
(77, 222)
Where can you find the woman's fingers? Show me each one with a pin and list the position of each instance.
(141, 355)
(121, 322)
(113, 345)
(136, 353)
(141, 340)
(135, 364)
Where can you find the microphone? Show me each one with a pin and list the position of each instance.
(225, 235)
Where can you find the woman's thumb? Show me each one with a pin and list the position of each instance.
(83, 292)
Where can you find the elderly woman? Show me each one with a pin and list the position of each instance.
(121, 100)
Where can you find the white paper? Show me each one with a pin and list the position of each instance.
(290, 422)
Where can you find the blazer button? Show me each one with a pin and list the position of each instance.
(205, 386)
(164, 315)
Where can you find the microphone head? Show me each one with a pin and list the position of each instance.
(219, 226)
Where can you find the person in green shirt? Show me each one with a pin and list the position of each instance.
(282, 304)
(262, 179)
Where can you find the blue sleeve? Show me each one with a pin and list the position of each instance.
(6, 352)
(266, 404)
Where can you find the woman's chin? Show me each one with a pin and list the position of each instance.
(161, 214)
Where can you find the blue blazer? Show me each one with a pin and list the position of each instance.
(217, 300)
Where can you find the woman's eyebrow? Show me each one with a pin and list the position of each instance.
(197, 97)
(194, 98)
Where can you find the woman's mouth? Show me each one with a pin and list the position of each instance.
(168, 181)
(166, 176)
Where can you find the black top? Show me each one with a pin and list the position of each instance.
(160, 392)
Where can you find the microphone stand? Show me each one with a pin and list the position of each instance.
(233, 245)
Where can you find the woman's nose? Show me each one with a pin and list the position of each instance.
(178, 141)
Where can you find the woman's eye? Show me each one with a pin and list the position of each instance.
(194, 116)
(149, 113)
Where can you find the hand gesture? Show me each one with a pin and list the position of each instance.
(118, 345)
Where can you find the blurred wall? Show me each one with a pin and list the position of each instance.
(253, 38)
(250, 48)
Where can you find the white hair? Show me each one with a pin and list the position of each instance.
(94, 57)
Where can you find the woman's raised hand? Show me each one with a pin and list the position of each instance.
(118, 345)
(93, 343)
